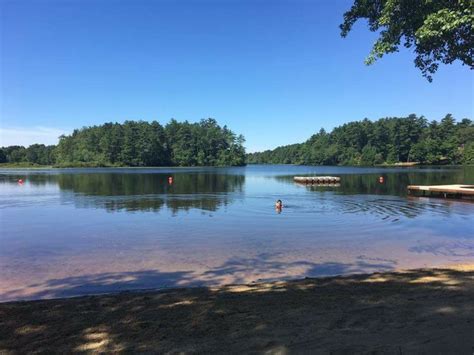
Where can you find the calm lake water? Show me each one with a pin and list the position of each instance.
(81, 231)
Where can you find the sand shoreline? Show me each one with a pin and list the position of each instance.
(422, 310)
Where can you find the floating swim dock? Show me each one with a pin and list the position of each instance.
(451, 191)
(317, 179)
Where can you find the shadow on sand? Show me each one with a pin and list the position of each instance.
(420, 311)
(263, 267)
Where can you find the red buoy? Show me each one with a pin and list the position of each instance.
(20, 181)
(381, 179)
(170, 180)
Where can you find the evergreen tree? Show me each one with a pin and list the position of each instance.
(387, 140)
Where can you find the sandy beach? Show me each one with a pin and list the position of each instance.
(415, 311)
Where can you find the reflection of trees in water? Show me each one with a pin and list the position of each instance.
(209, 191)
(148, 184)
(145, 192)
(34, 179)
(150, 192)
(394, 183)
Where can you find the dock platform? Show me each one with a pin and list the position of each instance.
(451, 191)
(317, 179)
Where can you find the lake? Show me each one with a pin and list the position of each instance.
(69, 232)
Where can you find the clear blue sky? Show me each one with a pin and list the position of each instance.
(275, 71)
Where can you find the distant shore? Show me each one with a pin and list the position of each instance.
(24, 166)
(416, 311)
(86, 166)
(400, 164)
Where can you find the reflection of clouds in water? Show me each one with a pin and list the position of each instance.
(458, 248)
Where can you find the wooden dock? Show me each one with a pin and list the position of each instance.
(317, 179)
(446, 191)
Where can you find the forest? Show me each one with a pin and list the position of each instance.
(385, 141)
(137, 143)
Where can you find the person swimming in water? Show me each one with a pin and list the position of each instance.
(279, 205)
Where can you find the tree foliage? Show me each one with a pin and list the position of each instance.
(39, 154)
(138, 143)
(387, 140)
(439, 30)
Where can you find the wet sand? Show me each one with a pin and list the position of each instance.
(416, 311)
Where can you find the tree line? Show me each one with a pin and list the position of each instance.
(137, 143)
(387, 140)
